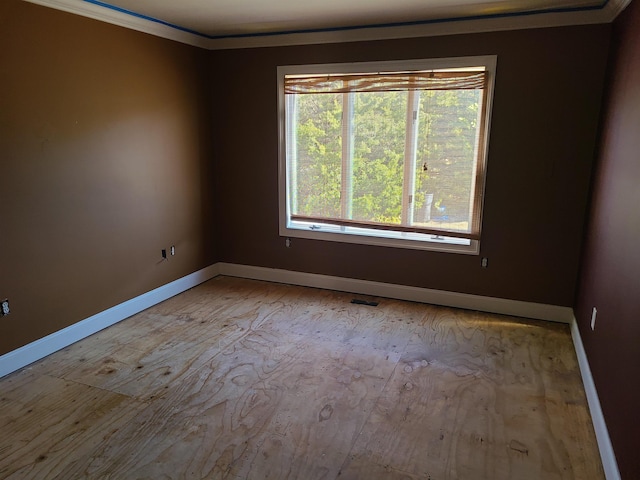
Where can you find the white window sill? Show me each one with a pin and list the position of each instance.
(385, 238)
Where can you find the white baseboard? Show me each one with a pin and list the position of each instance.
(607, 454)
(34, 351)
(402, 292)
(459, 300)
(23, 356)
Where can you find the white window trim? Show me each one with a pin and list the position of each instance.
(333, 233)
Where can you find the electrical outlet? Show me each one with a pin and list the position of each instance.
(485, 262)
(593, 318)
(4, 308)
(173, 250)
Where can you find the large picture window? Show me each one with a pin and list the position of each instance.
(390, 153)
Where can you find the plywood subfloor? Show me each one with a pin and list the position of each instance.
(239, 379)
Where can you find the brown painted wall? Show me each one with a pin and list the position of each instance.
(105, 158)
(547, 100)
(104, 137)
(610, 278)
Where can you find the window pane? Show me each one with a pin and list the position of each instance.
(318, 157)
(379, 126)
(385, 153)
(445, 158)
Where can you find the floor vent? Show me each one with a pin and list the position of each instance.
(364, 302)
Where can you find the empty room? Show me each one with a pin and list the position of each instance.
(319, 240)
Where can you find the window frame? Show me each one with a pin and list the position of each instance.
(373, 236)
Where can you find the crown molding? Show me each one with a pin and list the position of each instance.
(613, 8)
(121, 19)
(610, 10)
(434, 29)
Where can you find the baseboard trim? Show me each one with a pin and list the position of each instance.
(458, 300)
(607, 455)
(23, 356)
(402, 292)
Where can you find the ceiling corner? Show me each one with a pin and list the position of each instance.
(613, 8)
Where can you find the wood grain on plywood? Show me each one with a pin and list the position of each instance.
(244, 379)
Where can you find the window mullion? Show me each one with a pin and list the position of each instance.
(292, 150)
(410, 146)
(474, 199)
(346, 187)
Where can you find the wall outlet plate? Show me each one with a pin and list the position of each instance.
(4, 308)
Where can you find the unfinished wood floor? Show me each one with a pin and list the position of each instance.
(240, 379)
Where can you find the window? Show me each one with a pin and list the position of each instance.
(386, 153)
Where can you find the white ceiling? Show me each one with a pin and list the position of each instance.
(232, 17)
(246, 23)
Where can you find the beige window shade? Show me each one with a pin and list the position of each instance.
(388, 82)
